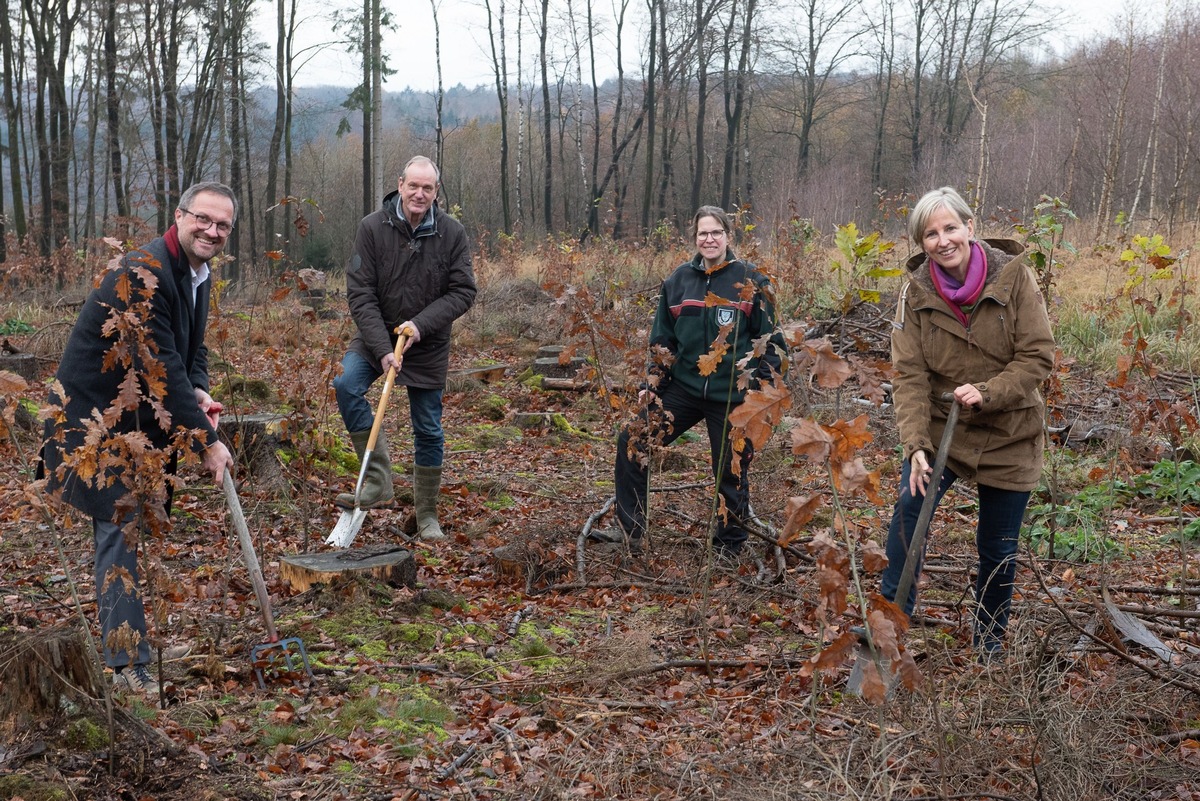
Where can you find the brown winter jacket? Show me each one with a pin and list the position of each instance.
(1006, 351)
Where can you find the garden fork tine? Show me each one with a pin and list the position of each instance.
(275, 656)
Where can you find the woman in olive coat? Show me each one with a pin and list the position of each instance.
(970, 321)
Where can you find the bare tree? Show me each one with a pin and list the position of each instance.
(736, 88)
(704, 11)
(547, 119)
(439, 144)
(51, 26)
(500, 72)
(1152, 138)
(1115, 133)
(13, 112)
(884, 34)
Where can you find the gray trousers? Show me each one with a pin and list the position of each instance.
(118, 595)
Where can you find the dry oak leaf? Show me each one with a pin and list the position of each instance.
(761, 411)
(874, 557)
(833, 656)
(849, 437)
(720, 346)
(799, 512)
(853, 476)
(811, 441)
(830, 370)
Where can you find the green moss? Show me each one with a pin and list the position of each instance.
(83, 734)
(16, 785)
(420, 635)
(274, 734)
(501, 502)
(486, 436)
(530, 379)
(469, 663)
(240, 386)
(559, 423)
(359, 713)
(410, 712)
(375, 650)
(494, 407)
(533, 648)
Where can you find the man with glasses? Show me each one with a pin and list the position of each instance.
(133, 389)
(410, 270)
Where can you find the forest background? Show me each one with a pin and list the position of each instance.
(526, 662)
(611, 120)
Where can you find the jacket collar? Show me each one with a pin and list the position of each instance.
(999, 252)
(395, 216)
(697, 261)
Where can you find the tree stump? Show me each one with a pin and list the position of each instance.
(23, 364)
(42, 669)
(556, 367)
(254, 439)
(388, 563)
(486, 374)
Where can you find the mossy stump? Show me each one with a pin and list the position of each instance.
(254, 440)
(42, 669)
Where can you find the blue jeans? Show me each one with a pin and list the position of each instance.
(116, 564)
(685, 410)
(1000, 515)
(424, 409)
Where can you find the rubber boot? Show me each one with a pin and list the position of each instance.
(377, 483)
(427, 484)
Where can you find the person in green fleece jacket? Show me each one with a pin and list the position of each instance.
(678, 393)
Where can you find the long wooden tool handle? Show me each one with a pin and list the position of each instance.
(248, 555)
(379, 413)
(387, 389)
(917, 545)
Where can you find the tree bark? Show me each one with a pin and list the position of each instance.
(547, 118)
(500, 73)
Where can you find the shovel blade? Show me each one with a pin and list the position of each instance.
(880, 673)
(347, 527)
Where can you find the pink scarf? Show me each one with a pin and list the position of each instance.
(961, 297)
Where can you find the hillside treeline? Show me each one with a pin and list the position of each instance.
(604, 119)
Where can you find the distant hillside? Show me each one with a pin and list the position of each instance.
(319, 110)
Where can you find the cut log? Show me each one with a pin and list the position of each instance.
(254, 440)
(567, 384)
(43, 669)
(388, 563)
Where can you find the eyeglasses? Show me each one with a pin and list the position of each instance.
(714, 235)
(206, 222)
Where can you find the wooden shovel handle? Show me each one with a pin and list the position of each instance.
(916, 545)
(401, 339)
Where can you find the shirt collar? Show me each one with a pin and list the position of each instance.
(199, 276)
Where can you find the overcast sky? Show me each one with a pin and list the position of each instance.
(465, 59)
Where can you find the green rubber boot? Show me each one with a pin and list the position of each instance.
(427, 485)
(377, 483)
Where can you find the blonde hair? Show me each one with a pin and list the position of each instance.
(948, 198)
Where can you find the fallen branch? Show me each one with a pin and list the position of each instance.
(1107, 646)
